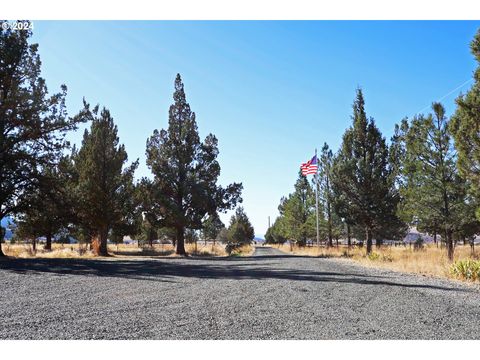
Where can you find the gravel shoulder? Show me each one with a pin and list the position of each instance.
(269, 295)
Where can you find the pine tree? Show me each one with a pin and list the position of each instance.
(185, 172)
(325, 189)
(32, 123)
(433, 193)
(465, 126)
(363, 176)
(105, 186)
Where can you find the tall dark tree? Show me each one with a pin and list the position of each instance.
(465, 126)
(432, 191)
(105, 184)
(363, 175)
(51, 206)
(325, 189)
(185, 172)
(32, 122)
(240, 231)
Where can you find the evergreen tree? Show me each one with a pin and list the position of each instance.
(240, 231)
(363, 176)
(51, 206)
(432, 192)
(298, 212)
(465, 126)
(222, 236)
(32, 123)
(325, 189)
(107, 192)
(185, 172)
(275, 233)
(212, 226)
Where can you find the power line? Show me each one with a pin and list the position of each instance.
(444, 96)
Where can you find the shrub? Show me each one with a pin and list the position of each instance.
(231, 247)
(467, 269)
(373, 256)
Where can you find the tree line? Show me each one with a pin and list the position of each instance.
(53, 189)
(428, 176)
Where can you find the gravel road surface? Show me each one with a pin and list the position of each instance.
(269, 295)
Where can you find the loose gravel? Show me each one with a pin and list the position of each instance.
(269, 295)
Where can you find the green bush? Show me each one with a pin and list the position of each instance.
(373, 256)
(467, 269)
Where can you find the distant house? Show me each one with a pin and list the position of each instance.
(413, 235)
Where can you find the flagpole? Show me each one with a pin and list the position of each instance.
(316, 199)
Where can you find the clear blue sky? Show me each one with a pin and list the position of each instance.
(270, 91)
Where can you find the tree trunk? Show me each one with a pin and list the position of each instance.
(34, 245)
(449, 245)
(180, 242)
(435, 238)
(349, 237)
(100, 243)
(472, 247)
(369, 240)
(48, 244)
(330, 237)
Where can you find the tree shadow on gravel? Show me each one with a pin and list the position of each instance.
(172, 269)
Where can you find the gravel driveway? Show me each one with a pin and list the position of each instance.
(267, 296)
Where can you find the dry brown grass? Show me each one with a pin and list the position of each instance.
(121, 251)
(205, 250)
(244, 250)
(431, 260)
(58, 251)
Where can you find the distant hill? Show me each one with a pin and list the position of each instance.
(258, 239)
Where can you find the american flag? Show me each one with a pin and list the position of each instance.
(310, 167)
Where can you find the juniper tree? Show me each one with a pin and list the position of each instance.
(363, 175)
(185, 172)
(32, 122)
(51, 206)
(433, 191)
(275, 233)
(465, 126)
(105, 183)
(298, 212)
(211, 227)
(240, 231)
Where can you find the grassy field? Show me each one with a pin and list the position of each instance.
(122, 250)
(431, 260)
